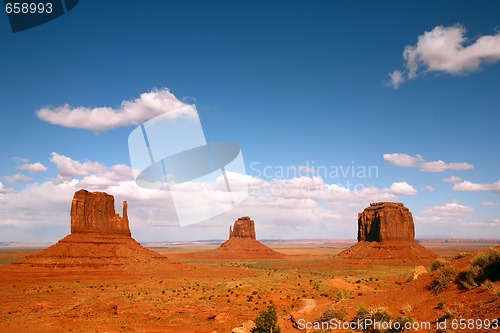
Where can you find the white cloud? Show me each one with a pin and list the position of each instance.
(490, 204)
(467, 186)
(440, 166)
(401, 188)
(147, 106)
(396, 78)
(3, 189)
(96, 176)
(284, 208)
(407, 161)
(452, 179)
(403, 160)
(428, 188)
(33, 167)
(453, 208)
(68, 167)
(445, 49)
(17, 178)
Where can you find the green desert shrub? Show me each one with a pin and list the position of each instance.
(461, 255)
(402, 322)
(341, 294)
(331, 314)
(443, 280)
(267, 321)
(438, 263)
(485, 266)
(379, 315)
(366, 316)
(488, 263)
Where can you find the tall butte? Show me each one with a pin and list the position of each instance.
(95, 213)
(386, 233)
(100, 239)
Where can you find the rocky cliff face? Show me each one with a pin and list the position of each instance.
(243, 228)
(94, 212)
(385, 221)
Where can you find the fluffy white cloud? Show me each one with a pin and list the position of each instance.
(17, 178)
(452, 179)
(453, 208)
(68, 167)
(467, 186)
(33, 167)
(407, 161)
(428, 188)
(96, 176)
(314, 188)
(147, 106)
(305, 206)
(3, 189)
(403, 160)
(401, 188)
(444, 49)
(440, 166)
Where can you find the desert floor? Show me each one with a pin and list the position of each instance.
(207, 295)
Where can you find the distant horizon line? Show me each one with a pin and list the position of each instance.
(21, 244)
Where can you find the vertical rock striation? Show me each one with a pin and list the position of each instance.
(94, 212)
(385, 221)
(244, 227)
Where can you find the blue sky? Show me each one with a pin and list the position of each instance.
(293, 83)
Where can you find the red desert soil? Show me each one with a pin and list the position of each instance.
(237, 248)
(99, 279)
(240, 245)
(388, 252)
(415, 299)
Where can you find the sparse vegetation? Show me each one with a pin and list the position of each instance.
(341, 294)
(402, 322)
(443, 280)
(461, 255)
(447, 315)
(438, 263)
(485, 266)
(331, 314)
(380, 315)
(369, 315)
(267, 321)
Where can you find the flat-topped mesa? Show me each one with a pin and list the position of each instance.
(385, 221)
(244, 227)
(94, 212)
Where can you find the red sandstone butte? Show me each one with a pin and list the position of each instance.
(241, 244)
(386, 233)
(100, 240)
(385, 221)
(244, 227)
(94, 212)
